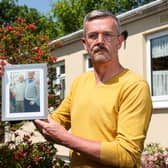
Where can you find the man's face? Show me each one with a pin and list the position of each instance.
(102, 40)
(21, 78)
(31, 75)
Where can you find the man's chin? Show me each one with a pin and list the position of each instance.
(100, 60)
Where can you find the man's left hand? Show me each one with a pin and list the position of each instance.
(52, 130)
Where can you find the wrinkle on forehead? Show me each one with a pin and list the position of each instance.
(103, 24)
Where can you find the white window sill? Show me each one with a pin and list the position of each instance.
(160, 102)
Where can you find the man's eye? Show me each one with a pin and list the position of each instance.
(108, 35)
(92, 36)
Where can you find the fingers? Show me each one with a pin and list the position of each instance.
(41, 123)
(2, 64)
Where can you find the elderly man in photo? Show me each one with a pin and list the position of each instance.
(32, 94)
(19, 90)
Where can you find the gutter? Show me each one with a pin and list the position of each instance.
(69, 37)
(140, 9)
(78, 34)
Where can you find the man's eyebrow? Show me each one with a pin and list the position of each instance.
(106, 31)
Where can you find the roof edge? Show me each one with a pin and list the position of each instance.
(78, 34)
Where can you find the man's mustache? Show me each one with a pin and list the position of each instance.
(98, 48)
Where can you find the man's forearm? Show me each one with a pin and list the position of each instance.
(57, 133)
(90, 148)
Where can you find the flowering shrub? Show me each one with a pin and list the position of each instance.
(19, 44)
(154, 156)
(25, 154)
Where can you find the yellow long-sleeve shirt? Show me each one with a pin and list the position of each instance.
(116, 113)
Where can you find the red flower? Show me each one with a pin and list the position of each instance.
(17, 33)
(22, 154)
(32, 26)
(57, 44)
(37, 159)
(16, 157)
(23, 20)
(10, 28)
(43, 37)
(37, 58)
(60, 44)
(40, 52)
(2, 57)
(21, 40)
(52, 59)
(19, 18)
(29, 166)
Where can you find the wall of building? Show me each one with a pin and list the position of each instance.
(158, 127)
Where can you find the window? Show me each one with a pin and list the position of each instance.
(60, 81)
(57, 73)
(157, 47)
(89, 66)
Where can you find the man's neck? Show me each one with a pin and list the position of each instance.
(105, 73)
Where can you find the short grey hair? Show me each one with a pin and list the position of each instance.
(98, 14)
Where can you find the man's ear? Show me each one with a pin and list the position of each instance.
(120, 41)
(123, 37)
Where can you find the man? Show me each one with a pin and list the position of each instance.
(108, 110)
(19, 90)
(32, 92)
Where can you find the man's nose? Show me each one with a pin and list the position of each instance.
(100, 38)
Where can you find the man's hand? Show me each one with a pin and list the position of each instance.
(2, 64)
(58, 134)
(52, 130)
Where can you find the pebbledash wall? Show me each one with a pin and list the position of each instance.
(143, 24)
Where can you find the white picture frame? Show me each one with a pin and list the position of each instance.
(24, 92)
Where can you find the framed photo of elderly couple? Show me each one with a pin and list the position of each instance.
(24, 92)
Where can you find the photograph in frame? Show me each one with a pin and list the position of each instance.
(24, 92)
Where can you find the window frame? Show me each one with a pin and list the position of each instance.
(60, 76)
(159, 102)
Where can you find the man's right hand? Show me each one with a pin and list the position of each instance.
(2, 64)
